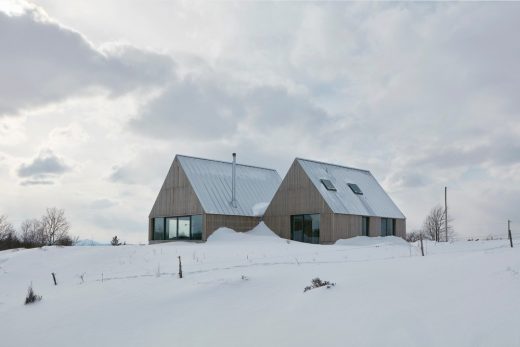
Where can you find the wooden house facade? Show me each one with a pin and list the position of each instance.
(322, 203)
(196, 199)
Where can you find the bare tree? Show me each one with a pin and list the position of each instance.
(32, 233)
(8, 238)
(6, 228)
(55, 227)
(434, 225)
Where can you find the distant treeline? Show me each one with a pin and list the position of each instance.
(51, 229)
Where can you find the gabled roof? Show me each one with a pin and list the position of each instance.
(373, 202)
(211, 181)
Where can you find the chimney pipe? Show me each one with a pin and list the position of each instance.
(233, 182)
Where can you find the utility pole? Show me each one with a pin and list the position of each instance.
(509, 233)
(446, 211)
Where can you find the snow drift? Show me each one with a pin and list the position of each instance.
(247, 289)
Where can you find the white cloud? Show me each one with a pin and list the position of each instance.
(43, 62)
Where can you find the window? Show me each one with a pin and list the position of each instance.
(183, 229)
(305, 228)
(196, 227)
(158, 228)
(365, 226)
(297, 228)
(328, 184)
(387, 226)
(178, 228)
(355, 188)
(171, 228)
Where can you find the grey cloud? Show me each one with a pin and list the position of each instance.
(100, 204)
(37, 182)
(190, 109)
(43, 169)
(499, 152)
(207, 110)
(147, 168)
(44, 62)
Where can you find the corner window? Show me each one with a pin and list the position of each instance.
(158, 228)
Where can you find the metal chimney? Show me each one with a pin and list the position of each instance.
(233, 182)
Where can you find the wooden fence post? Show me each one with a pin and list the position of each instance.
(180, 267)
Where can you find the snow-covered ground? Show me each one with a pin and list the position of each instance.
(247, 290)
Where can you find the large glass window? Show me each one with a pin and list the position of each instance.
(183, 231)
(171, 228)
(365, 225)
(196, 227)
(178, 228)
(315, 228)
(305, 228)
(158, 228)
(297, 228)
(387, 226)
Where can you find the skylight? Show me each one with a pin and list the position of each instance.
(328, 184)
(355, 188)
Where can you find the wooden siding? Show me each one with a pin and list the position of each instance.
(400, 228)
(296, 195)
(374, 227)
(345, 226)
(238, 223)
(176, 197)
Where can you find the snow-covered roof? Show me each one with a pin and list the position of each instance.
(211, 181)
(373, 202)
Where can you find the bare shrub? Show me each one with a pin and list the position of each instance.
(31, 297)
(317, 283)
(115, 241)
(414, 236)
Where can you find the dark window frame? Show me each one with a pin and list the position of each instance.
(305, 235)
(176, 238)
(328, 184)
(355, 188)
(365, 226)
(388, 226)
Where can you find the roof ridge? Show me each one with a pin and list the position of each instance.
(341, 166)
(226, 162)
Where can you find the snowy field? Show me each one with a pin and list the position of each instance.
(247, 290)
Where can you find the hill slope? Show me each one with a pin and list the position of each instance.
(247, 290)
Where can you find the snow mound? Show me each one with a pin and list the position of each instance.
(262, 230)
(226, 235)
(259, 209)
(259, 233)
(372, 241)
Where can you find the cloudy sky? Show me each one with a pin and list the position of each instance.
(97, 97)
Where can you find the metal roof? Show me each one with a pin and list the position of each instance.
(211, 181)
(373, 202)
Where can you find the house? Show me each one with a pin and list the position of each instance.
(200, 195)
(322, 203)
